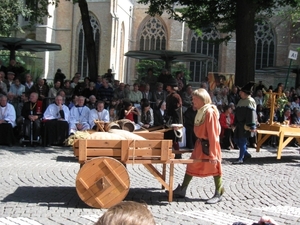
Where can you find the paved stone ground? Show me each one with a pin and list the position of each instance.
(38, 187)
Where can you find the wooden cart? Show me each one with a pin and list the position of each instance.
(103, 180)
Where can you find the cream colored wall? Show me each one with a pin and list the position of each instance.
(121, 17)
(112, 15)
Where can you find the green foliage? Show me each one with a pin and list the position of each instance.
(28, 61)
(144, 65)
(36, 10)
(157, 67)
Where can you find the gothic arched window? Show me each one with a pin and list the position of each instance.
(199, 70)
(82, 62)
(264, 45)
(153, 35)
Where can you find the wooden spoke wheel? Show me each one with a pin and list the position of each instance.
(102, 182)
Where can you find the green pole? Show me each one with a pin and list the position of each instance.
(287, 77)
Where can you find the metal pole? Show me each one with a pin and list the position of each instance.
(287, 77)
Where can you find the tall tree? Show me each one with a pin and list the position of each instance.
(89, 40)
(226, 16)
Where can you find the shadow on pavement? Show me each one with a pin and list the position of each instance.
(38, 149)
(150, 196)
(47, 196)
(268, 160)
(66, 159)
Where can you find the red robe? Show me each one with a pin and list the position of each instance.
(209, 130)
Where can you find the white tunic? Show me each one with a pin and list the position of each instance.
(8, 113)
(79, 115)
(52, 112)
(95, 115)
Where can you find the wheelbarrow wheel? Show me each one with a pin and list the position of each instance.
(102, 182)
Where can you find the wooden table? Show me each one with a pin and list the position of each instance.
(285, 133)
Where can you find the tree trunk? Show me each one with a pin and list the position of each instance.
(245, 42)
(89, 40)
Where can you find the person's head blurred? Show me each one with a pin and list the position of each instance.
(147, 88)
(81, 100)
(75, 99)
(127, 213)
(116, 83)
(3, 100)
(99, 79)
(87, 81)
(189, 89)
(59, 100)
(122, 86)
(62, 94)
(259, 93)
(227, 109)
(162, 105)
(92, 85)
(2, 75)
(10, 75)
(33, 97)
(57, 85)
(40, 82)
(135, 87)
(12, 62)
(127, 87)
(164, 72)
(92, 99)
(150, 72)
(67, 83)
(17, 81)
(28, 78)
(100, 106)
(77, 75)
(75, 80)
(159, 86)
(105, 83)
(111, 110)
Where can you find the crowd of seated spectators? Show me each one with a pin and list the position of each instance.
(75, 104)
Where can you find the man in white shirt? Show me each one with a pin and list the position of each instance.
(79, 116)
(7, 121)
(56, 128)
(100, 113)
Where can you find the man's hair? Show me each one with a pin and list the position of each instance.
(127, 213)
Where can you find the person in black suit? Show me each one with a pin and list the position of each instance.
(160, 114)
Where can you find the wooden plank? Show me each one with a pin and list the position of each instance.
(156, 174)
(268, 132)
(92, 143)
(103, 152)
(165, 150)
(171, 181)
(124, 151)
(164, 172)
(90, 192)
(82, 151)
(115, 174)
(151, 135)
(148, 143)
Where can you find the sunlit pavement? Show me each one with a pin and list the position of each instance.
(38, 187)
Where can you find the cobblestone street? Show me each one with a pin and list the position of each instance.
(38, 187)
